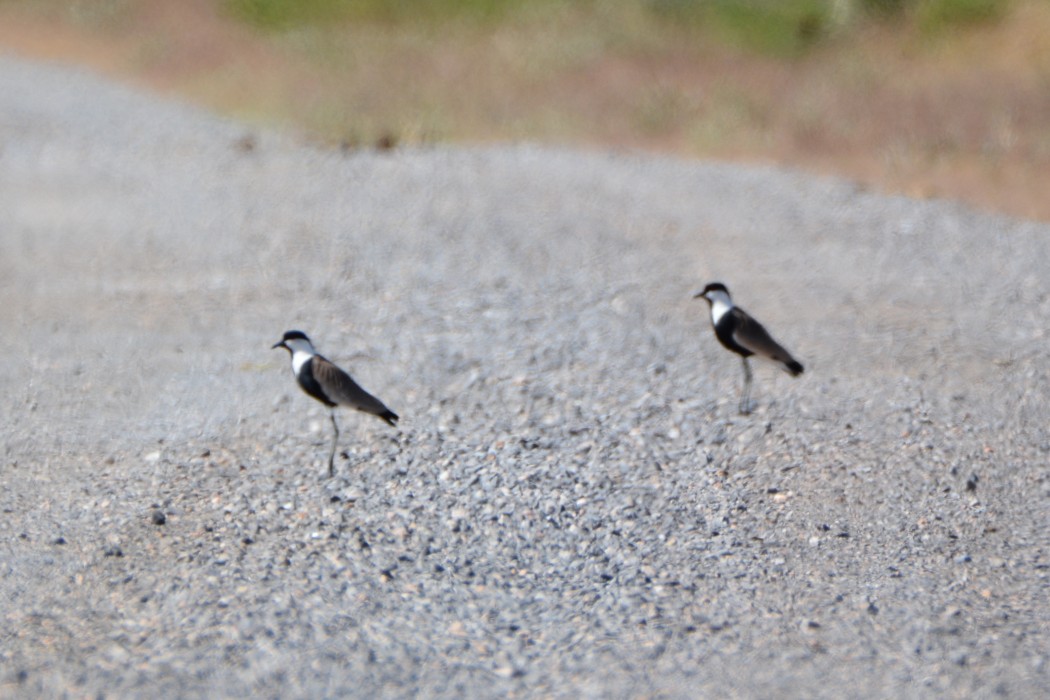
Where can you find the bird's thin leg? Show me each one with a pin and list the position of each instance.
(745, 398)
(335, 439)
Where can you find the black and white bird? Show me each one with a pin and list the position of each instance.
(330, 385)
(745, 336)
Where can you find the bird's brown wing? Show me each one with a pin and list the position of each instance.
(752, 335)
(343, 390)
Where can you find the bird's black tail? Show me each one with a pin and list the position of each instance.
(389, 416)
(794, 367)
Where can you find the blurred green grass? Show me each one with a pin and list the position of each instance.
(776, 27)
(772, 27)
(286, 14)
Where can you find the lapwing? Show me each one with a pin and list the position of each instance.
(745, 336)
(330, 385)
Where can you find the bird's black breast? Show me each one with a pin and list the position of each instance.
(310, 385)
(724, 330)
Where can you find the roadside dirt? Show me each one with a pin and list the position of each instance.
(920, 116)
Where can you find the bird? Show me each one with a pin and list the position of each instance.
(739, 332)
(330, 385)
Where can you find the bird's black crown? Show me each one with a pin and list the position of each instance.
(715, 287)
(294, 335)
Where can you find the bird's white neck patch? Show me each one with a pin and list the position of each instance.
(302, 351)
(720, 305)
(299, 358)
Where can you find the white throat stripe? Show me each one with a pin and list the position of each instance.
(299, 359)
(720, 306)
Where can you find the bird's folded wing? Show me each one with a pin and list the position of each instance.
(343, 390)
(750, 334)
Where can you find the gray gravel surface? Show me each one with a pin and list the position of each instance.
(571, 506)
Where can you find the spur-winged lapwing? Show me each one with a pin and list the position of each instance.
(330, 385)
(745, 336)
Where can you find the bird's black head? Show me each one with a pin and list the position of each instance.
(713, 287)
(290, 335)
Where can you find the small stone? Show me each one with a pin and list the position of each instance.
(158, 517)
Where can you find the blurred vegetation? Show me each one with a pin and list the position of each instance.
(778, 27)
(775, 27)
(286, 14)
(942, 14)
(772, 27)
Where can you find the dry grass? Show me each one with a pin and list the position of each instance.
(959, 114)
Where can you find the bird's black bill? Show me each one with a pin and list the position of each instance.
(278, 345)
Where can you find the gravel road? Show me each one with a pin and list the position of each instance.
(571, 506)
